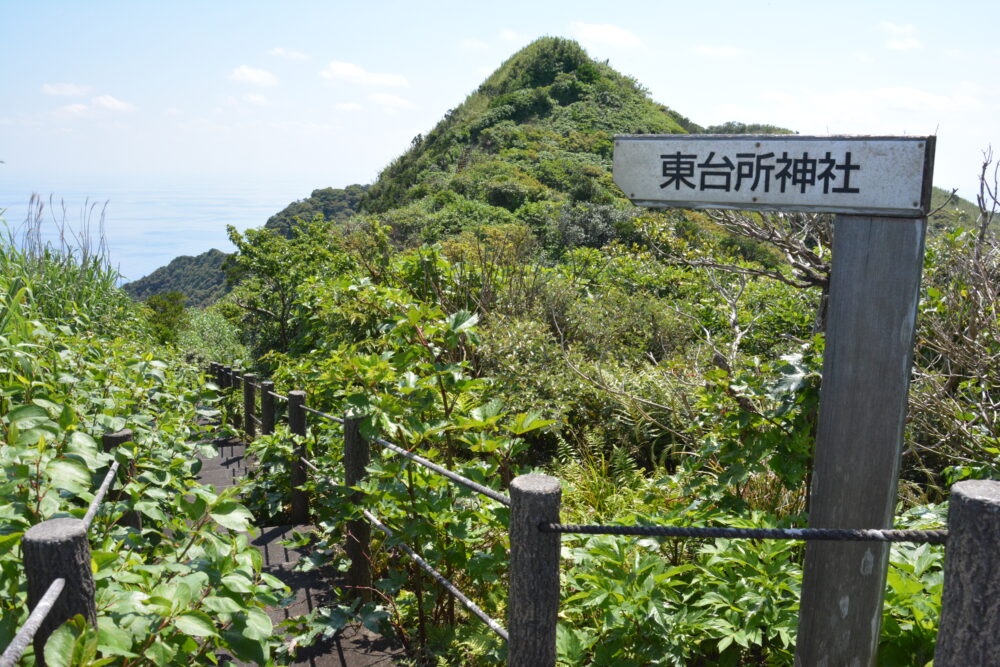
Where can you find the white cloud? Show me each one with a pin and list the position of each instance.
(110, 103)
(347, 106)
(65, 89)
(510, 35)
(74, 109)
(900, 37)
(256, 77)
(719, 51)
(390, 102)
(173, 111)
(604, 33)
(351, 73)
(287, 53)
(474, 44)
(252, 98)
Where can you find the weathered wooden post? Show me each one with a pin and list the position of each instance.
(266, 407)
(533, 597)
(297, 425)
(112, 441)
(970, 603)
(249, 405)
(54, 549)
(357, 455)
(227, 377)
(874, 287)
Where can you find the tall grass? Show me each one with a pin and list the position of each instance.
(60, 272)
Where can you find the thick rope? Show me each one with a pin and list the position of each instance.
(20, 642)
(95, 504)
(807, 534)
(455, 477)
(448, 586)
(278, 396)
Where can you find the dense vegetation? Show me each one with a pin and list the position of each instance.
(330, 203)
(495, 303)
(501, 307)
(77, 359)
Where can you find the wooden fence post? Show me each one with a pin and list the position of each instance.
(970, 614)
(533, 597)
(227, 377)
(110, 441)
(297, 425)
(249, 405)
(357, 455)
(53, 549)
(874, 289)
(266, 407)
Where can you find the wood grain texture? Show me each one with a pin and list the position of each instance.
(53, 549)
(357, 542)
(266, 408)
(249, 404)
(297, 425)
(970, 604)
(875, 282)
(533, 598)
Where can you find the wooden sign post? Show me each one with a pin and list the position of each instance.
(879, 187)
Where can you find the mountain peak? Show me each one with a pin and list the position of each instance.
(540, 126)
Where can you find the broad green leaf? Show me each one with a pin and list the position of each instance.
(112, 639)
(69, 474)
(160, 653)
(525, 422)
(462, 320)
(221, 604)
(59, 647)
(258, 625)
(237, 582)
(28, 416)
(196, 624)
(232, 515)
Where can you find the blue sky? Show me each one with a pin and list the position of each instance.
(315, 94)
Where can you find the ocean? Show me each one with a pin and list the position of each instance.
(147, 227)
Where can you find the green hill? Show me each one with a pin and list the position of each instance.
(200, 278)
(532, 145)
(332, 203)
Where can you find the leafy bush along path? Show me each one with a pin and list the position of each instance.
(354, 646)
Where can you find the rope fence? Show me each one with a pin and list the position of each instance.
(57, 565)
(445, 583)
(535, 529)
(802, 534)
(453, 476)
(19, 644)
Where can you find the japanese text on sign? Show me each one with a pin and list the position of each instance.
(873, 175)
(758, 171)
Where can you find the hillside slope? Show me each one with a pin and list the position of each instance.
(200, 278)
(532, 145)
(337, 204)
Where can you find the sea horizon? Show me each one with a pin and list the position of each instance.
(147, 226)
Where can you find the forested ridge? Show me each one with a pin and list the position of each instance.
(494, 303)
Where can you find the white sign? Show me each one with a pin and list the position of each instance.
(868, 175)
